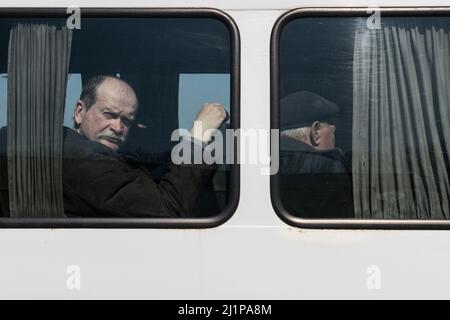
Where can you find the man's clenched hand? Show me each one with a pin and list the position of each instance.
(211, 116)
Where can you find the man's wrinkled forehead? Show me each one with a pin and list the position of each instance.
(117, 96)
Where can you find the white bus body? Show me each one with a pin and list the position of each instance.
(254, 255)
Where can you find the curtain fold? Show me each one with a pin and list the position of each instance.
(38, 63)
(401, 123)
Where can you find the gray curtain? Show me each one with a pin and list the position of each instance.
(38, 62)
(401, 123)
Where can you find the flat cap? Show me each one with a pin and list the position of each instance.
(300, 109)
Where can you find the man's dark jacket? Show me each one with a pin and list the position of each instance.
(98, 182)
(314, 183)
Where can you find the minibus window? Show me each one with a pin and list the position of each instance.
(91, 118)
(364, 116)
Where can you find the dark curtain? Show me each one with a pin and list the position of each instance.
(38, 61)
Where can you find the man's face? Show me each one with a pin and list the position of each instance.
(109, 119)
(327, 139)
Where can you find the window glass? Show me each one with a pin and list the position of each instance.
(74, 86)
(96, 112)
(72, 95)
(364, 114)
(196, 89)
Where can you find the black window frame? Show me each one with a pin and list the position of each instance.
(155, 223)
(321, 12)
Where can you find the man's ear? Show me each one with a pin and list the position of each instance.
(78, 112)
(314, 133)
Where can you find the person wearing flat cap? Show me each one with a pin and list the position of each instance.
(314, 181)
